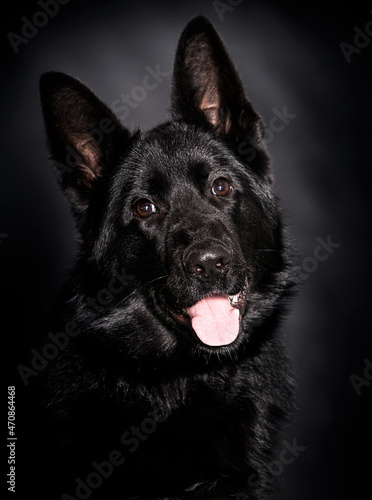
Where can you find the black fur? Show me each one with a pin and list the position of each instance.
(190, 420)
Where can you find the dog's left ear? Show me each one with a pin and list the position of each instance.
(207, 87)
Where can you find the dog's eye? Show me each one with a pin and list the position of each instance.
(145, 208)
(221, 187)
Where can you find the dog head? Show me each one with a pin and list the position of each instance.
(187, 209)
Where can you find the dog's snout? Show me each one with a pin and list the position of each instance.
(207, 263)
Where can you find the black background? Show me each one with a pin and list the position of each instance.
(289, 57)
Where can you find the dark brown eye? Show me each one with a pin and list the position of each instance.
(144, 208)
(221, 187)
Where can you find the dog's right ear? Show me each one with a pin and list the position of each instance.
(85, 138)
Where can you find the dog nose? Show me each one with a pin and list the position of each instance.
(208, 263)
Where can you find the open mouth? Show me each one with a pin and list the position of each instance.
(215, 319)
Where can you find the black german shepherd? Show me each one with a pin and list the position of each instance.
(164, 376)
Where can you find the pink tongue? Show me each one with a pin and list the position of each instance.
(215, 321)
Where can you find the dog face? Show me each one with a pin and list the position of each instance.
(183, 208)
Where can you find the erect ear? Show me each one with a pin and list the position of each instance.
(85, 138)
(207, 87)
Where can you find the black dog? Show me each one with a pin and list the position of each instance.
(166, 378)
